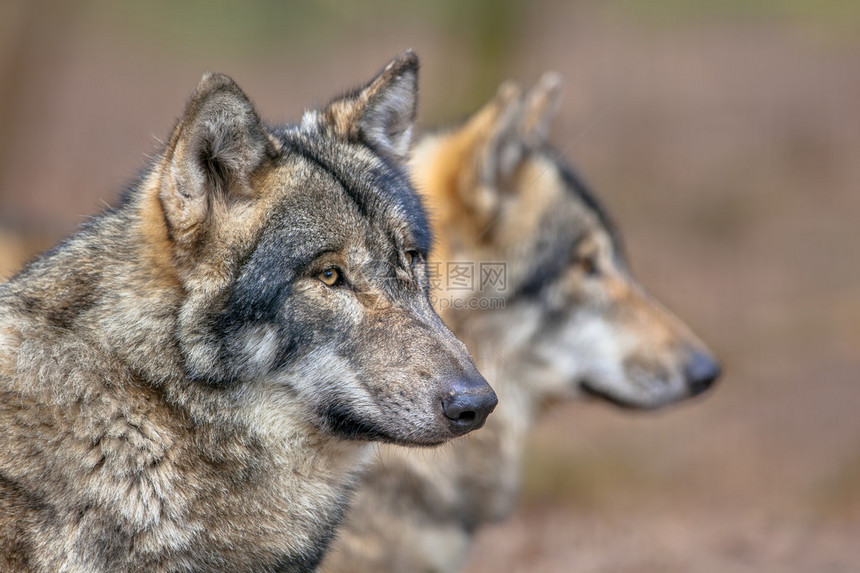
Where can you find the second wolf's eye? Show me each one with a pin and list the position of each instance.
(331, 277)
(587, 265)
(412, 257)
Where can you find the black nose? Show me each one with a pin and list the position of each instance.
(701, 372)
(467, 404)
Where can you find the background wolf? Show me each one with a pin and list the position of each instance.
(574, 322)
(181, 377)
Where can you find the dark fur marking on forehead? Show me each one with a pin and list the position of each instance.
(374, 191)
(350, 191)
(575, 185)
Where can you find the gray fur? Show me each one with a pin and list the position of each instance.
(180, 391)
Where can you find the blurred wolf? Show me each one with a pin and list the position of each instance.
(191, 382)
(574, 323)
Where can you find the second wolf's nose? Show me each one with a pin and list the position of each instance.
(701, 372)
(467, 405)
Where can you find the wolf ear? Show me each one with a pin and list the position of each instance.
(541, 107)
(502, 150)
(519, 122)
(499, 136)
(488, 151)
(522, 124)
(382, 113)
(215, 147)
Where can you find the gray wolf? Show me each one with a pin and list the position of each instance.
(192, 381)
(574, 323)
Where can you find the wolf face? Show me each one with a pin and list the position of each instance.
(588, 326)
(574, 319)
(302, 252)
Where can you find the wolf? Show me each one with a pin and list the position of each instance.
(574, 323)
(193, 380)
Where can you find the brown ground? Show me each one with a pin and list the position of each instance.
(726, 144)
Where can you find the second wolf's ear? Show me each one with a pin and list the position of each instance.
(485, 152)
(540, 108)
(213, 151)
(501, 150)
(519, 124)
(382, 113)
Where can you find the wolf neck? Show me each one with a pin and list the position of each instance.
(501, 442)
(176, 456)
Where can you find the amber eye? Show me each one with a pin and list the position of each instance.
(331, 277)
(587, 265)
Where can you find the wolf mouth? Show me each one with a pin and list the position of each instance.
(342, 421)
(589, 390)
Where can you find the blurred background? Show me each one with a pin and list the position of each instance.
(724, 136)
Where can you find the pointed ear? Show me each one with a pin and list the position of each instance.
(382, 113)
(486, 151)
(502, 149)
(541, 107)
(215, 147)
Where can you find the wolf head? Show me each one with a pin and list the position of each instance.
(574, 320)
(301, 254)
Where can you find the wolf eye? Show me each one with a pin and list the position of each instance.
(412, 257)
(587, 264)
(331, 277)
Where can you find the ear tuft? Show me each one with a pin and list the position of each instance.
(381, 114)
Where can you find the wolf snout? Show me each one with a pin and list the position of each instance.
(467, 404)
(701, 371)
